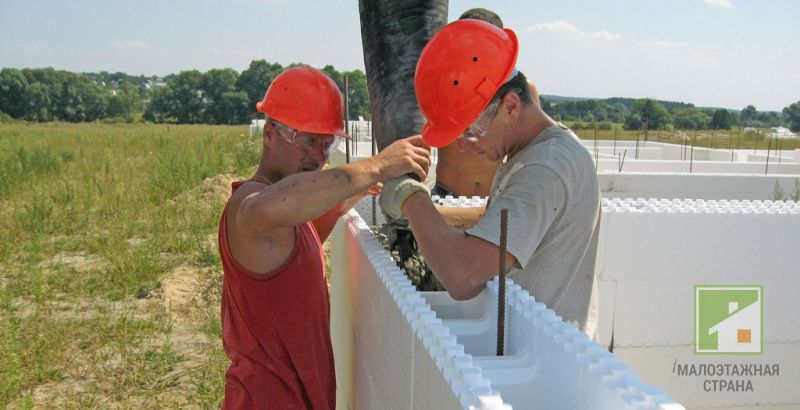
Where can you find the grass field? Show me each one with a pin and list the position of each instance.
(718, 139)
(109, 271)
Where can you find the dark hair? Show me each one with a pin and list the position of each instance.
(482, 15)
(518, 85)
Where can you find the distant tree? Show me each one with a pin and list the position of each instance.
(721, 120)
(792, 113)
(256, 79)
(358, 94)
(653, 115)
(215, 84)
(161, 107)
(186, 91)
(235, 107)
(633, 122)
(617, 112)
(768, 119)
(748, 115)
(126, 102)
(13, 92)
(38, 104)
(690, 119)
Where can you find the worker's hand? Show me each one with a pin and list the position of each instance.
(408, 155)
(396, 191)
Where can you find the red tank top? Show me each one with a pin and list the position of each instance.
(276, 331)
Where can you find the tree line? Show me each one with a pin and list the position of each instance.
(639, 114)
(225, 96)
(218, 96)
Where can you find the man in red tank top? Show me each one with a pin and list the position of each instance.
(275, 307)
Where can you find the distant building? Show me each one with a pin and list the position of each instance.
(780, 132)
(256, 127)
(155, 83)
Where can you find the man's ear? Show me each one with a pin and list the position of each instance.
(265, 135)
(511, 104)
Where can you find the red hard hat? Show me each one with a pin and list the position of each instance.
(306, 99)
(458, 73)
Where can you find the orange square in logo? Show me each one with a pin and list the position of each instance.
(743, 335)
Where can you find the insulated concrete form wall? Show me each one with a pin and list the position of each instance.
(398, 348)
(696, 186)
(708, 167)
(675, 152)
(651, 255)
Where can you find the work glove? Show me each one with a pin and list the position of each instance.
(396, 191)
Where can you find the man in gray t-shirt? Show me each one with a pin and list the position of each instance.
(472, 95)
(550, 189)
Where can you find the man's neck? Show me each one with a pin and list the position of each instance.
(532, 122)
(269, 174)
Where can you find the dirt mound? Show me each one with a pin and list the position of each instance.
(217, 189)
(212, 192)
(182, 291)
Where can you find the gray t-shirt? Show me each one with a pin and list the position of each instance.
(550, 190)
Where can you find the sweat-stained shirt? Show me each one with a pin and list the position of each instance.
(276, 331)
(550, 190)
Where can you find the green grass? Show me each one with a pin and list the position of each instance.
(128, 197)
(718, 139)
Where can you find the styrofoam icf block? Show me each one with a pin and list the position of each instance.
(693, 186)
(651, 239)
(699, 166)
(549, 363)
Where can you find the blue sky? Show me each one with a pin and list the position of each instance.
(724, 53)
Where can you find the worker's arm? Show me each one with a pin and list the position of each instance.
(306, 196)
(325, 223)
(461, 217)
(462, 263)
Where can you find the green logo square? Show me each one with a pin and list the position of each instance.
(728, 320)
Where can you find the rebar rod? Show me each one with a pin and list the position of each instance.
(374, 201)
(501, 294)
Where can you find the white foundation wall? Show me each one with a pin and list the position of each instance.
(397, 348)
(696, 186)
(676, 152)
(652, 253)
(708, 167)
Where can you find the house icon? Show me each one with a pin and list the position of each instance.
(740, 332)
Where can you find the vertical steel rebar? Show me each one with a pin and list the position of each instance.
(769, 146)
(374, 148)
(501, 293)
(615, 140)
(347, 112)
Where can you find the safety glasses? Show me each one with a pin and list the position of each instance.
(304, 141)
(478, 129)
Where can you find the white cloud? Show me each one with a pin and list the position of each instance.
(130, 45)
(563, 27)
(719, 4)
(557, 26)
(601, 35)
